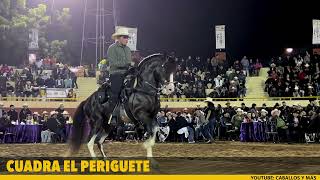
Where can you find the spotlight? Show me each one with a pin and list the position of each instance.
(289, 50)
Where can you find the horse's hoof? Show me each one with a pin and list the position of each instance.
(154, 164)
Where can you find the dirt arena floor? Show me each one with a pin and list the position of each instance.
(216, 158)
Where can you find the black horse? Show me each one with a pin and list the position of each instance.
(140, 105)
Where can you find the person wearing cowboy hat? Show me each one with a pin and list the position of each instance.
(210, 115)
(36, 117)
(119, 59)
(263, 115)
(24, 112)
(237, 119)
(56, 126)
(44, 118)
(66, 117)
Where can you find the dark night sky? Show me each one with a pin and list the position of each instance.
(259, 28)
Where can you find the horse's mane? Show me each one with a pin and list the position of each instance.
(148, 60)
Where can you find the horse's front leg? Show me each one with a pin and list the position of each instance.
(149, 143)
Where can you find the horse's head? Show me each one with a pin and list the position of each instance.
(168, 69)
(162, 67)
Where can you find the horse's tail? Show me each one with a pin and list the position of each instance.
(77, 133)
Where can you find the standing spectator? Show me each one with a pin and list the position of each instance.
(246, 65)
(237, 120)
(244, 107)
(257, 67)
(60, 110)
(210, 114)
(74, 80)
(13, 114)
(203, 126)
(2, 111)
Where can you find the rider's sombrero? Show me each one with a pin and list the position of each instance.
(121, 31)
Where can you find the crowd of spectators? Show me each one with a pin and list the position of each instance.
(198, 78)
(53, 123)
(32, 80)
(213, 78)
(296, 75)
(292, 124)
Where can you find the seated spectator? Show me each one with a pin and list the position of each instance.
(10, 90)
(44, 118)
(162, 119)
(182, 127)
(36, 118)
(263, 116)
(29, 120)
(68, 82)
(28, 89)
(59, 83)
(50, 82)
(47, 133)
(54, 125)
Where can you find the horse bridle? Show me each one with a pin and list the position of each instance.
(157, 90)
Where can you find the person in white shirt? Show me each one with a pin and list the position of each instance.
(218, 81)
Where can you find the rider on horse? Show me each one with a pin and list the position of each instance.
(119, 58)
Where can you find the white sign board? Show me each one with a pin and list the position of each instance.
(133, 33)
(32, 58)
(316, 32)
(220, 37)
(33, 39)
(56, 92)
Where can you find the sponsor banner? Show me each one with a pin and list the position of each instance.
(220, 37)
(316, 32)
(33, 39)
(133, 33)
(32, 58)
(56, 93)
